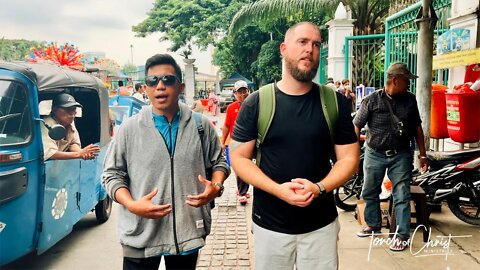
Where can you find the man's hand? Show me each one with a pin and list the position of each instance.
(308, 186)
(89, 152)
(294, 194)
(145, 208)
(210, 193)
(423, 164)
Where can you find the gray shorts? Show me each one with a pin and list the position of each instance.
(313, 250)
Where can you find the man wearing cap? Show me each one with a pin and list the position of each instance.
(330, 83)
(393, 122)
(64, 109)
(240, 90)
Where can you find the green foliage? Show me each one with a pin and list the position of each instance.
(238, 54)
(17, 49)
(129, 69)
(268, 67)
(262, 11)
(369, 14)
(200, 22)
(224, 57)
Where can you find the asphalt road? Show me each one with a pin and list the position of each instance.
(89, 246)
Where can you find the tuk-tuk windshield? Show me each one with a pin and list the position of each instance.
(15, 115)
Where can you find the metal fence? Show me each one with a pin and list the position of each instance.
(401, 36)
(372, 54)
(323, 63)
(368, 55)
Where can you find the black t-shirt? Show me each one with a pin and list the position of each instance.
(297, 145)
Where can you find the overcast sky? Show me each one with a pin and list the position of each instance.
(91, 25)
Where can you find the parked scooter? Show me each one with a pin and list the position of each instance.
(454, 176)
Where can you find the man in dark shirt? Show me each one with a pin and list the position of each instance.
(390, 148)
(294, 214)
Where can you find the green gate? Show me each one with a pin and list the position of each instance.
(372, 54)
(323, 63)
(402, 36)
(368, 53)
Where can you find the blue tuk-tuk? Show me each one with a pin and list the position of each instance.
(40, 201)
(122, 107)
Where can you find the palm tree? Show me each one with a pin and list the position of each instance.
(369, 18)
(369, 14)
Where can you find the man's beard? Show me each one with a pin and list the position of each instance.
(300, 75)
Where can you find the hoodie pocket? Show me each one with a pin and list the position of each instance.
(131, 224)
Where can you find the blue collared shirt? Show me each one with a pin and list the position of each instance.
(167, 130)
(169, 134)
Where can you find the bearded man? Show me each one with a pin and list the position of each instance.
(295, 221)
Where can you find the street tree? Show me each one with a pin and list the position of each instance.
(369, 18)
(129, 69)
(17, 49)
(369, 14)
(238, 54)
(187, 23)
(268, 67)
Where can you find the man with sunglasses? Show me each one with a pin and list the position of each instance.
(156, 168)
(393, 123)
(64, 110)
(240, 90)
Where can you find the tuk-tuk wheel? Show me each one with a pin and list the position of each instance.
(103, 210)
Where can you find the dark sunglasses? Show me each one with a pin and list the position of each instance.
(167, 80)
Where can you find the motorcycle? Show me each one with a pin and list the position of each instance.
(454, 176)
(456, 180)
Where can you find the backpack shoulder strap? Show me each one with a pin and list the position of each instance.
(328, 99)
(201, 131)
(266, 110)
(198, 122)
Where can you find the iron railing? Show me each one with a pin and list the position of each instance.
(323, 63)
(401, 37)
(367, 53)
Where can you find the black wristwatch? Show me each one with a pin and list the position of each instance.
(220, 185)
(323, 191)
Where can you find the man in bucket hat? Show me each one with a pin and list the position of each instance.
(393, 121)
(64, 109)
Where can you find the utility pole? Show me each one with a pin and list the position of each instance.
(426, 21)
(131, 54)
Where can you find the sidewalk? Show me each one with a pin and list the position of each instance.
(230, 245)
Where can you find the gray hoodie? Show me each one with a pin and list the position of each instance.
(138, 159)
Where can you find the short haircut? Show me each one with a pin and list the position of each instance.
(293, 27)
(120, 83)
(137, 86)
(163, 59)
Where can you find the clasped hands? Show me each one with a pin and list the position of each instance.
(299, 192)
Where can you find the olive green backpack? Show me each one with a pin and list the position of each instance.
(328, 99)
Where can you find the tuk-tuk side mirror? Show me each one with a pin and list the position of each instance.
(57, 132)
